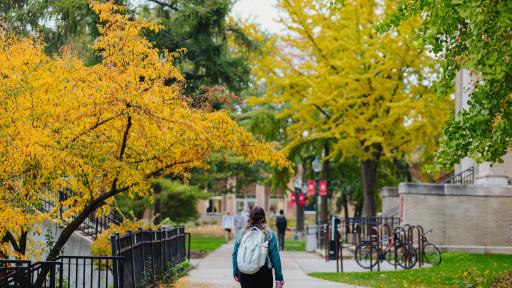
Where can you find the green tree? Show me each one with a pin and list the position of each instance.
(474, 35)
(178, 200)
(204, 28)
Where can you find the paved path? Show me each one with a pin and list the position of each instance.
(214, 271)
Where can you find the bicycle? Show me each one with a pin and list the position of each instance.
(431, 253)
(405, 255)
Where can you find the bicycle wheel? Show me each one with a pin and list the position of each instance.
(390, 255)
(406, 256)
(366, 258)
(431, 254)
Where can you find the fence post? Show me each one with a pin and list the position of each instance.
(153, 236)
(188, 252)
(61, 275)
(115, 252)
(178, 246)
(160, 241)
(52, 273)
(130, 234)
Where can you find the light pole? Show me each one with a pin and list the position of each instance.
(298, 186)
(317, 167)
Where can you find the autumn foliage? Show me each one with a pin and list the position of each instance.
(369, 95)
(100, 130)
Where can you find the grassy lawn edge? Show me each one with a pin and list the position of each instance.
(206, 243)
(457, 270)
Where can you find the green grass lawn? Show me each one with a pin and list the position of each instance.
(456, 270)
(294, 245)
(206, 243)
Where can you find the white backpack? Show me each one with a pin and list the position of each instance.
(253, 250)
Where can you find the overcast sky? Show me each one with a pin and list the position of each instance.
(262, 12)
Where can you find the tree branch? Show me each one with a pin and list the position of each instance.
(98, 124)
(322, 111)
(125, 138)
(164, 4)
(8, 237)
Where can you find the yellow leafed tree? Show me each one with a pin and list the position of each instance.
(102, 130)
(368, 95)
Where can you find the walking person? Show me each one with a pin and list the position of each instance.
(240, 221)
(228, 222)
(281, 224)
(256, 253)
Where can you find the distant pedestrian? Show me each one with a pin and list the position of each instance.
(281, 224)
(228, 222)
(256, 253)
(240, 221)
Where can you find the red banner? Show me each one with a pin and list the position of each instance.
(322, 188)
(292, 198)
(302, 199)
(311, 187)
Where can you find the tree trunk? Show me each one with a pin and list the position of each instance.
(300, 219)
(72, 227)
(369, 173)
(357, 211)
(158, 208)
(345, 211)
(23, 242)
(345, 206)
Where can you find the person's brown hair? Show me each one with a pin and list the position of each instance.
(257, 219)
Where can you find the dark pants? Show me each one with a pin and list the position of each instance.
(280, 240)
(261, 279)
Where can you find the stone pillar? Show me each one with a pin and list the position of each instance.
(390, 199)
(230, 203)
(260, 196)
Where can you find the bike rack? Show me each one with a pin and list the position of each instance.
(325, 243)
(420, 240)
(374, 238)
(409, 236)
(339, 251)
(401, 235)
(385, 228)
(338, 246)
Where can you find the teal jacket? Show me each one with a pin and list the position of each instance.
(273, 253)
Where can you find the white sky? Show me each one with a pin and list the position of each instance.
(262, 12)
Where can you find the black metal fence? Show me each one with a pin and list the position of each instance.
(92, 271)
(359, 229)
(149, 255)
(92, 226)
(24, 274)
(64, 272)
(464, 177)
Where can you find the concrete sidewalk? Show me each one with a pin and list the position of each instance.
(214, 271)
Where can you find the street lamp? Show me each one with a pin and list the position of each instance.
(298, 186)
(317, 167)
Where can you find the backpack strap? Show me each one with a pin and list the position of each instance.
(268, 237)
